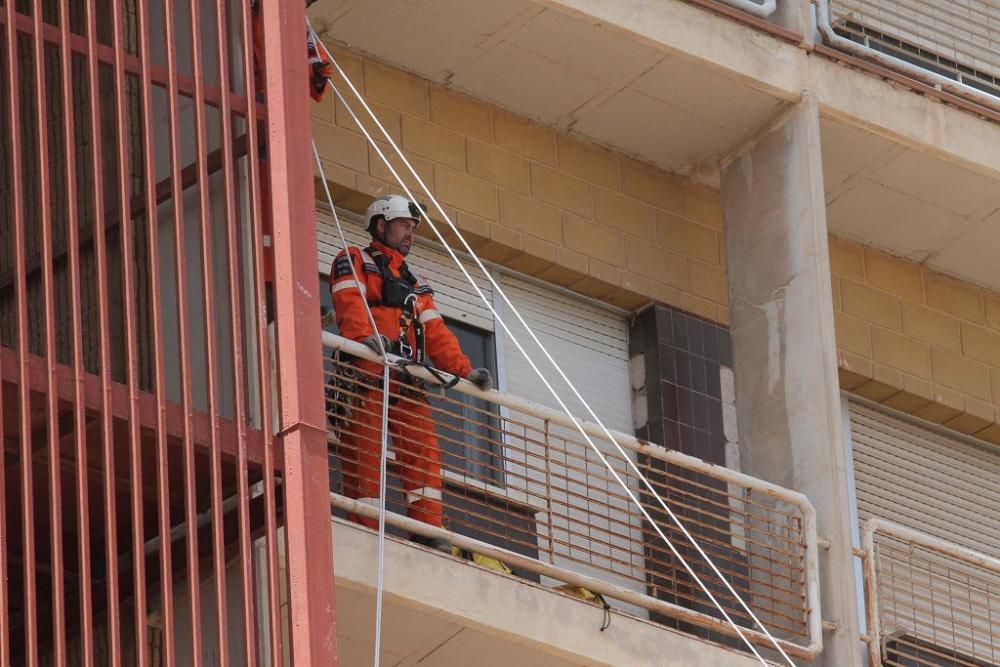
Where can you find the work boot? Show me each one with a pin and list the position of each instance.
(436, 543)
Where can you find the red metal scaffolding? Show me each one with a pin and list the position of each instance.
(148, 513)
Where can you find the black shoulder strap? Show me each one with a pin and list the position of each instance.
(404, 272)
(382, 260)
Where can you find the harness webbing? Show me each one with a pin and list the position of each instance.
(401, 292)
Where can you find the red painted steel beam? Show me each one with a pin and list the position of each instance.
(208, 278)
(24, 397)
(129, 293)
(149, 210)
(96, 108)
(118, 406)
(83, 535)
(180, 271)
(235, 281)
(4, 542)
(58, 600)
(298, 346)
(133, 65)
(163, 193)
(264, 371)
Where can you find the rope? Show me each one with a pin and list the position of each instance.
(555, 365)
(384, 447)
(586, 436)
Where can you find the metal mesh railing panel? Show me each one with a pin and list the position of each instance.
(959, 39)
(934, 608)
(517, 480)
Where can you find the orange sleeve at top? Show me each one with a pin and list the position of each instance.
(349, 297)
(441, 344)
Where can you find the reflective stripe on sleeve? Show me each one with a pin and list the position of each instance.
(349, 284)
(429, 315)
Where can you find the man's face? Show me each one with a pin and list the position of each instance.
(398, 234)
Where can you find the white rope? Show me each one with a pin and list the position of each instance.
(555, 365)
(590, 442)
(384, 447)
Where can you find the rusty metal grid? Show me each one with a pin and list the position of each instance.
(516, 480)
(958, 39)
(929, 602)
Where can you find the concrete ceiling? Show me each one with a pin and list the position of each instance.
(414, 637)
(561, 70)
(595, 81)
(911, 204)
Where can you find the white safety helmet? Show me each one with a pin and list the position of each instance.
(391, 207)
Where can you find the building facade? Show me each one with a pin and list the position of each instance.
(750, 245)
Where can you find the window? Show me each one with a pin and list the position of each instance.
(468, 441)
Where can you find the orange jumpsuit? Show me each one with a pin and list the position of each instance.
(410, 422)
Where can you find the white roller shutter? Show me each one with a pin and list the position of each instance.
(452, 293)
(589, 343)
(945, 486)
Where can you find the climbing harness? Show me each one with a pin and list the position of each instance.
(500, 321)
(402, 292)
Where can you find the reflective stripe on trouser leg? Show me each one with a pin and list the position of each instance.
(360, 450)
(419, 458)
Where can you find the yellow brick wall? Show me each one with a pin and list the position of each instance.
(531, 198)
(916, 340)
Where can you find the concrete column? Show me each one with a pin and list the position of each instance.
(797, 16)
(785, 367)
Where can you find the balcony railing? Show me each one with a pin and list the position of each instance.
(951, 45)
(522, 485)
(929, 602)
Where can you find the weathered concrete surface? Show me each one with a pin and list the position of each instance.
(555, 629)
(784, 69)
(785, 366)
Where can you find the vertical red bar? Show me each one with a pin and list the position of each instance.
(76, 338)
(24, 395)
(101, 263)
(4, 544)
(298, 346)
(131, 346)
(180, 269)
(152, 234)
(263, 344)
(201, 151)
(49, 330)
(236, 317)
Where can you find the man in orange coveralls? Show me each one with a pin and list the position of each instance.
(410, 325)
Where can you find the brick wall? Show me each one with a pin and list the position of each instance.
(534, 199)
(916, 340)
